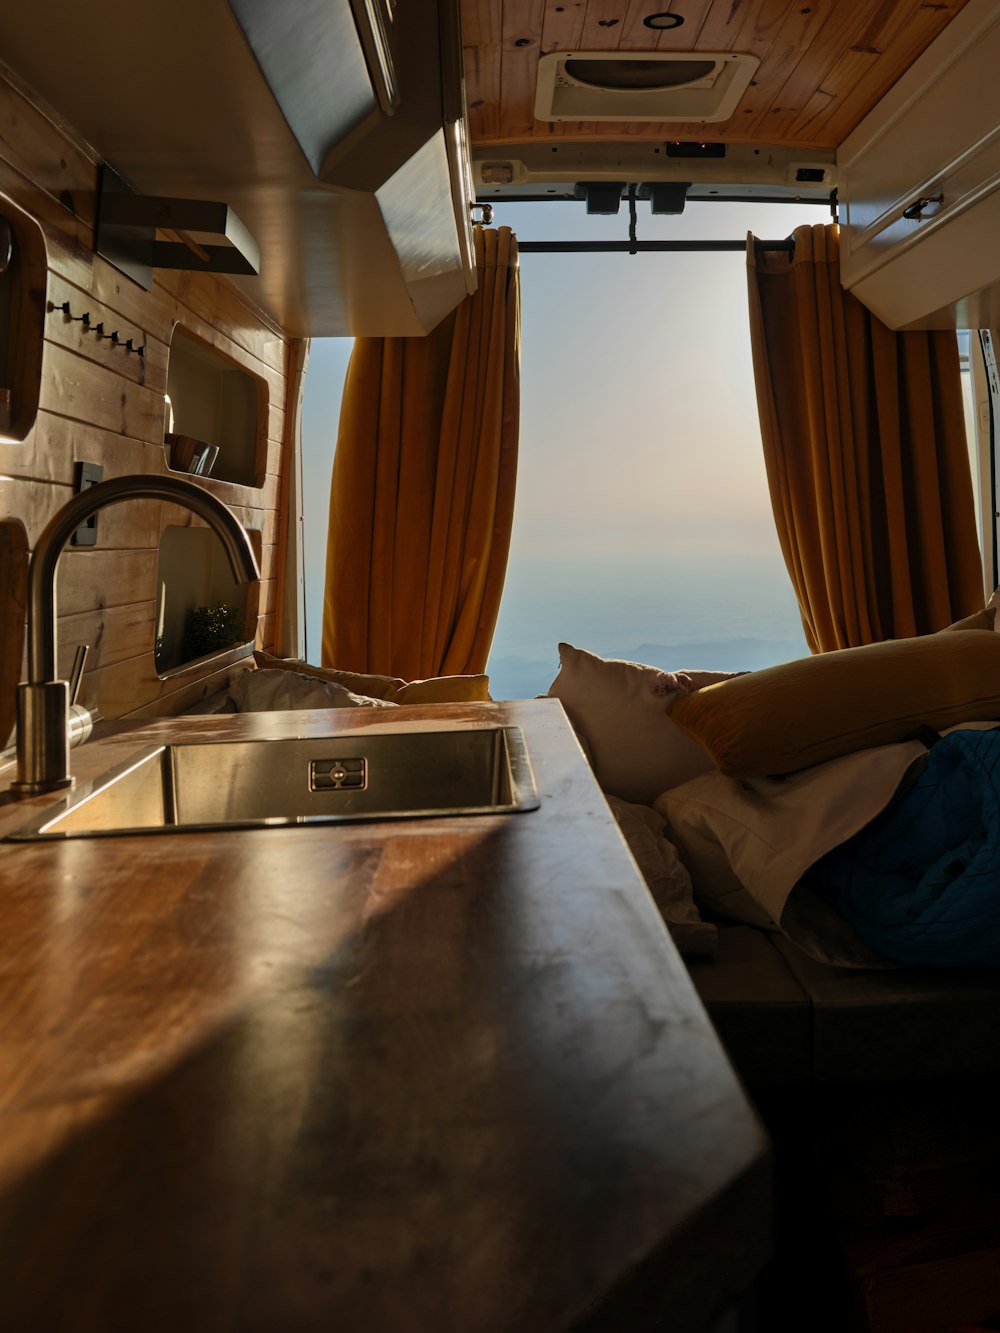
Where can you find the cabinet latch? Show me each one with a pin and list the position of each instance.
(918, 209)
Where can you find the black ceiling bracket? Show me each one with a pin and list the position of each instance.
(127, 224)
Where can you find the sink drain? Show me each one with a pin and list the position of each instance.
(338, 774)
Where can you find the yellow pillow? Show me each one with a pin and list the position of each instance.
(790, 717)
(434, 690)
(978, 620)
(445, 690)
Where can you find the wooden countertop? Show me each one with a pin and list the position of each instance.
(433, 1075)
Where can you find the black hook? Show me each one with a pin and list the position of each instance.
(84, 319)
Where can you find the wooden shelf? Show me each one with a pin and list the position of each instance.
(186, 453)
(215, 402)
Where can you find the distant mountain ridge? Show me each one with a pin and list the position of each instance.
(727, 655)
(523, 677)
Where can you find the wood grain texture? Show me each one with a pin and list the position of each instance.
(114, 633)
(191, 694)
(286, 616)
(59, 442)
(440, 1074)
(31, 145)
(101, 404)
(69, 331)
(13, 597)
(26, 292)
(116, 688)
(823, 65)
(899, 1024)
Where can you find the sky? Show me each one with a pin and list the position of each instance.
(640, 471)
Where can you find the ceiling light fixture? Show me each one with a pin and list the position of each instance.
(663, 21)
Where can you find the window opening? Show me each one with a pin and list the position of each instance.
(322, 394)
(643, 527)
(631, 535)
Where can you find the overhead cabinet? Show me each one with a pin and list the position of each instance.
(335, 133)
(919, 186)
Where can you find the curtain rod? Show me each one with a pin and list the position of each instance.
(568, 197)
(637, 247)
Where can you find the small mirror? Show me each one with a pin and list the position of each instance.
(200, 610)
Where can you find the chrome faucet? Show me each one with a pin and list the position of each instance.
(43, 701)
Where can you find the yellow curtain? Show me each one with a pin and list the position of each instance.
(865, 446)
(422, 497)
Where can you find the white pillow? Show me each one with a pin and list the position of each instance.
(620, 710)
(270, 691)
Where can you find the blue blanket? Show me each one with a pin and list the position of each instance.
(921, 884)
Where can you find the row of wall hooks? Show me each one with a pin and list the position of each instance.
(85, 319)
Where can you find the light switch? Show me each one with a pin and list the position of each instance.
(87, 475)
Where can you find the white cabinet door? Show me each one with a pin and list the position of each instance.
(919, 183)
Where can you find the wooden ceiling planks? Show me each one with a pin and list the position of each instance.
(521, 34)
(844, 48)
(562, 27)
(855, 89)
(481, 47)
(824, 63)
(792, 49)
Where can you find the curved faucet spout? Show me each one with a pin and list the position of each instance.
(50, 544)
(43, 756)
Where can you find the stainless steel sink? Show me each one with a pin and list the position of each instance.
(320, 780)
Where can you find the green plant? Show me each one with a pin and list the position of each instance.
(208, 629)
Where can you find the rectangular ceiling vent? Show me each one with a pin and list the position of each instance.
(641, 85)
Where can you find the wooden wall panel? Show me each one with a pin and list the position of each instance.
(13, 571)
(92, 580)
(278, 620)
(115, 634)
(178, 696)
(134, 689)
(219, 306)
(57, 443)
(71, 333)
(75, 387)
(267, 630)
(43, 153)
(102, 404)
(127, 526)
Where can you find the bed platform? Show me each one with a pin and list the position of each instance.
(879, 1090)
(789, 1021)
